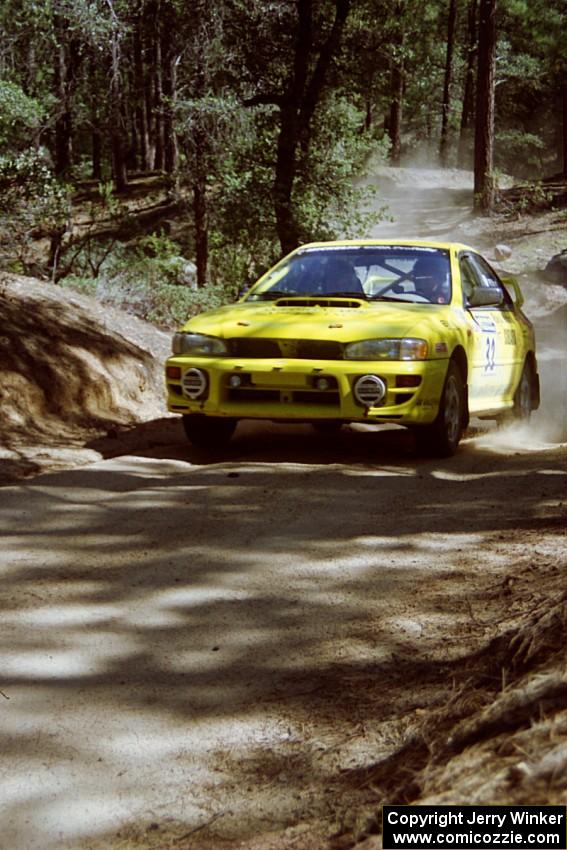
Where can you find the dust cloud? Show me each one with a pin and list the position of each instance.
(547, 427)
(436, 204)
(551, 418)
(423, 203)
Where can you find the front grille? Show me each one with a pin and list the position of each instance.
(254, 348)
(299, 349)
(317, 349)
(246, 394)
(320, 398)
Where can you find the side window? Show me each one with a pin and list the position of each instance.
(488, 277)
(469, 277)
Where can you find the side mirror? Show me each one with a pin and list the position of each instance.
(486, 296)
(514, 290)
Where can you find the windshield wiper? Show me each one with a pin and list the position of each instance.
(271, 295)
(345, 294)
(392, 298)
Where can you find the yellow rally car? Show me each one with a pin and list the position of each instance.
(420, 334)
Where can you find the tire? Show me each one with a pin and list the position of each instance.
(442, 437)
(208, 432)
(523, 397)
(327, 426)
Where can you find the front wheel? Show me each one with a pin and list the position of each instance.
(442, 437)
(208, 432)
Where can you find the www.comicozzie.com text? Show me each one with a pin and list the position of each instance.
(444, 819)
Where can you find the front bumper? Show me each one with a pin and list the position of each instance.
(287, 389)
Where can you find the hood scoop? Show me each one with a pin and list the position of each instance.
(318, 301)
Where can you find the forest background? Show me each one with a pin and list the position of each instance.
(161, 154)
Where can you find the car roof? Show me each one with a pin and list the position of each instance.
(394, 243)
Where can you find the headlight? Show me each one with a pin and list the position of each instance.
(386, 349)
(198, 345)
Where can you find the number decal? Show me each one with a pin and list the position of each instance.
(490, 353)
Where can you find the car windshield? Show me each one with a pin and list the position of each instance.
(373, 273)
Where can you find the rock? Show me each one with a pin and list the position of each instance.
(502, 251)
(189, 274)
(182, 271)
(556, 269)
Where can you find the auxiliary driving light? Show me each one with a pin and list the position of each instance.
(369, 390)
(235, 381)
(195, 383)
(323, 384)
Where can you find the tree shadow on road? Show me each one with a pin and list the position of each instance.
(173, 618)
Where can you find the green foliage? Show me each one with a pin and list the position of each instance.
(527, 198)
(159, 246)
(530, 72)
(519, 153)
(225, 75)
(243, 233)
(32, 203)
(165, 304)
(330, 198)
(211, 121)
(327, 198)
(20, 116)
(148, 278)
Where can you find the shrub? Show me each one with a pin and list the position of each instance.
(156, 288)
(20, 115)
(32, 203)
(519, 153)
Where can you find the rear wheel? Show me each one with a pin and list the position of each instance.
(208, 432)
(523, 399)
(524, 395)
(442, 437)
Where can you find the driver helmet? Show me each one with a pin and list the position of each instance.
(430, 276)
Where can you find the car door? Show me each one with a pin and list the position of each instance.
(493, 329)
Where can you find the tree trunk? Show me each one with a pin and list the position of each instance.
(369, 114)
(484, 124)
(96, 143)
(397, 85)
(148, 108)
(564, 134)
(158, 106)
(130, 136)
(169, 92)
(63, 121)
(141, 115)
(29, 81)
(117, 132)
(200, 220)
(296, 112)
(286, 166)
(463, 159)
(396, 109)
(119, 170)
(63, 83)
(446, 106)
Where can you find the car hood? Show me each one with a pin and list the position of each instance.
(313, 321)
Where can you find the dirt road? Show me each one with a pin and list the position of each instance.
(214, 653)
(188, 644)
